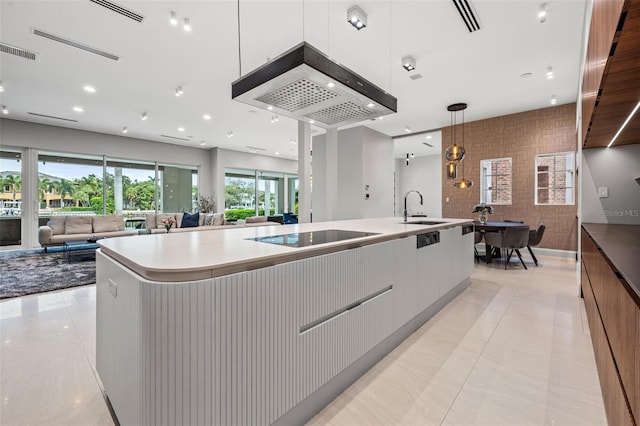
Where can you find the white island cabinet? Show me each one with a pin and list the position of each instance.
(258, 333)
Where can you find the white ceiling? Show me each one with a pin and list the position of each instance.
(482, 68)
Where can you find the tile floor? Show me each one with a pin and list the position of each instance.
(513, 349)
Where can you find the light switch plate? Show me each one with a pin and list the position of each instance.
(603, 192)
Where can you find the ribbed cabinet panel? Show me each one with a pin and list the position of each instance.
(230, 350)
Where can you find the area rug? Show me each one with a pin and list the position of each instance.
(28, 272)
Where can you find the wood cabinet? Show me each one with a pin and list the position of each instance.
(613, 312)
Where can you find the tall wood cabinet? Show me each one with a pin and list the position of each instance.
(613, 311)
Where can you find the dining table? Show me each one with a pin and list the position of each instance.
(494, 227)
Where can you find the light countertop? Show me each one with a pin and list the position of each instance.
(197, 255)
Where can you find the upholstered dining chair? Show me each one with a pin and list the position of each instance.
(535, 236)
(511, 239)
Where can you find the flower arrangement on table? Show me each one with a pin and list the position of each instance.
(168, 223)
(484, 209)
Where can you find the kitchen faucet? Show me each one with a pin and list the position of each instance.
(404, 214)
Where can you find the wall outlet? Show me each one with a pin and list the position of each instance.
(603, 192)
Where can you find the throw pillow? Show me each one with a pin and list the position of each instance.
(105, 224)
(208, 219)
(150, 221)
(190, 220)
(256, 219)
(218, 219)
(78, 225)
(56, 223)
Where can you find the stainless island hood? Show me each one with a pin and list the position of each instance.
(304, 84)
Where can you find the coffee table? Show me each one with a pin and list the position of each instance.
(78, 249)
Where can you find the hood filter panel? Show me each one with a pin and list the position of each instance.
(348, 111)
(304, 84)
(298, 95)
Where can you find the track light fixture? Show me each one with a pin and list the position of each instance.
(1, 87)
(5, 110)
(144, 116)
(550, 73)
(274, 119)
(187, 25)
(542, 13)
(124, 129)
(229, 134)
(407, 129)
(173, 20)
(357, 17)
(553, 100)
(409, 63)
(179, 91)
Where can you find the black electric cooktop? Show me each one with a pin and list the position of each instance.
(305, 239)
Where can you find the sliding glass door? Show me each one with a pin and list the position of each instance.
(10, 198)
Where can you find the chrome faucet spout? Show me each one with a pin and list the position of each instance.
(404, 213)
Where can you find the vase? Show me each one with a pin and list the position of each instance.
(483, 218)
(168, 230)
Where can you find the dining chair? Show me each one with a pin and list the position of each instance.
(535, 236)
(511, 239)
(477, 238)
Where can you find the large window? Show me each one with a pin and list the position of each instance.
(495, 181)
(97, 185)
(255, 192)
(10, 198)
(555, 178)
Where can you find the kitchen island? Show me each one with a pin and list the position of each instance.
(265, 325)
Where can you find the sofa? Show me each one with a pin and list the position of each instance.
(75, 228)
(201, 222)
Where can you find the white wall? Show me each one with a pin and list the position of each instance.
(616, 169)
(365, 157)
(221, 159)
(423, 174)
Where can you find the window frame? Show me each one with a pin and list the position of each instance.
(483, 188)
(568, 155)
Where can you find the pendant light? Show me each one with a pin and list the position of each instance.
(455, 154)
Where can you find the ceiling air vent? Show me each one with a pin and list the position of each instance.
(75, 44)
(17, 51)
(52, 117)
(466, 13)
(119, 9)
(176, 138)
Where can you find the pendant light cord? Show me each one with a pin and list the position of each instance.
(239, 44)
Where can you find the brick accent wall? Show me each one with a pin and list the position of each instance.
(520, 136)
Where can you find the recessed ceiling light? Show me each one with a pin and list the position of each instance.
(229, 134)
(312, 121)
(270, 108)
(144, 116)
(89, 89)
(203, 143)
(549, 73)
(124, 129)
(78, 109)
(409, 63)
(407, 129)
(330, 84)
(274, 119)
(429, 136)
(173, 20)
(277, 153)
(206, 117)
(187, 25)
(370, 105)
(179, 91)
(181, 129)
(553, 100)
(1, 87)
(5, 110)
(380, 118)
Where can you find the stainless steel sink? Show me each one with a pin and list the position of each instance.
(423, 222)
